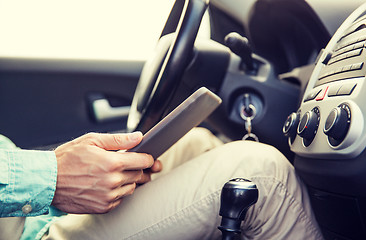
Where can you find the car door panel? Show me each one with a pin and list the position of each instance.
(45, 102)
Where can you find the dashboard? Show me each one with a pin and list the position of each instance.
(327, 132)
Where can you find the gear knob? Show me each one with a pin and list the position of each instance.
(241, 47)
(236, 197)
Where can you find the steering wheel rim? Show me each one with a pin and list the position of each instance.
(162, 73)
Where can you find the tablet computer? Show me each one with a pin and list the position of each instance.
(190, 113)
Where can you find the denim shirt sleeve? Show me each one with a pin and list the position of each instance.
(27, 180)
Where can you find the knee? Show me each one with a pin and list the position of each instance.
(257, 159)
(253, 149)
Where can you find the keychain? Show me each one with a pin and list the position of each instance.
(248, 116)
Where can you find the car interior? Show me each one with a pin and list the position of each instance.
(290, 74)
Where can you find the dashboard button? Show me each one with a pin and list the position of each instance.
(346, 89)
(357, 66)
(322, 94)
(312, 95)
(333, 90)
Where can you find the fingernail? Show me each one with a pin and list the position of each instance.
(134, 136)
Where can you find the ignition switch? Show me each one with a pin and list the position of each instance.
(247, 110)
(249, 105)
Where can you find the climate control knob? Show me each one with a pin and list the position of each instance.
(308, 126)
(289, 129)
(337, 124)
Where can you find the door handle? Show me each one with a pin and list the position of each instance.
(103, 111)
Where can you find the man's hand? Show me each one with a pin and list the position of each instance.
(92, 179)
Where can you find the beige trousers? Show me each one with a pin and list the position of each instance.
(11, 228)
(183, 202)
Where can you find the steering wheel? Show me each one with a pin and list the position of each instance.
(162, 73)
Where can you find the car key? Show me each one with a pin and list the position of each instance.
(247, 117)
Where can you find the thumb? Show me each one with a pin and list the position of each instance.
(118, 141)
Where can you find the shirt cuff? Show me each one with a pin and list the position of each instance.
(31, 182)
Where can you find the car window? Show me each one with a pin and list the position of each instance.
(84, 29)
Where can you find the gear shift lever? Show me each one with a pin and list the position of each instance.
(236, 197)
(240, 46)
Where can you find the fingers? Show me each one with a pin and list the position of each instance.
(145, 177)
(132, 161)
(111, 200)
(118, 193)
(118, 179)
(113, 141)
(124, 160)
(156, 167)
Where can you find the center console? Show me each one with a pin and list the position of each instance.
(328, 133)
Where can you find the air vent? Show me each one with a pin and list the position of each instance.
(353, 29)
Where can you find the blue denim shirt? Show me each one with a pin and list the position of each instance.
(27, 180)
(27, 186)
